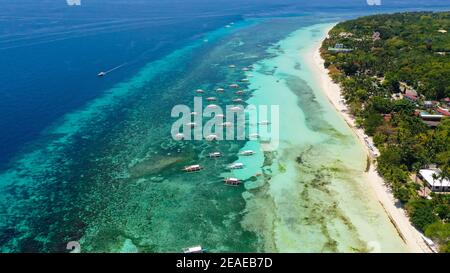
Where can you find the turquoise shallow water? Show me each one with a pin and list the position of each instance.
(109, 175)
(314, 197)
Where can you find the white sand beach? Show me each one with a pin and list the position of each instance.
(410, 235)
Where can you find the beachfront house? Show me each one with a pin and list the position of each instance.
(433, 180)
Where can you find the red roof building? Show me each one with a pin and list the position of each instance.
(443, 111)
(410, 97)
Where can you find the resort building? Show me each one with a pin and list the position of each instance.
(410, 97)
(376, 36)
(427, 116)
(443, 111)
(339, 48)
(433, 181)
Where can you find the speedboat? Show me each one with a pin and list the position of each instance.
(194, 249)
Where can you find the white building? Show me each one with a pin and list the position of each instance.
(434, 182)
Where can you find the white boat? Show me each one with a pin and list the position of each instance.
(227, 124)
(245, 80)
(234, 85)
(247, 153)
(215, 155)
(232, 181)
(238, 100)
(220, 89)
(240, 92)
(211, 137)
(193, 249)
(192, 168)
(236, 108)
(101, 74)
(212, 106)
(200, 91)
(232, 66)
(236, 166)
(219, 116)
(179, 136)
(245, 69)
(211, 99)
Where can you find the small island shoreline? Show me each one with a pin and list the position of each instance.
(398, 216)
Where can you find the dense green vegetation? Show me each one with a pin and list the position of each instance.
(413, 50)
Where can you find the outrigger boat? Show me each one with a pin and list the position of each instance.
(236, 108)
(215, 155)
(240, 92)
(200, 91)
(234, 85)
(247, 153)
(236, 166)
(192, 168)
(212, 106)
(212, 137)
(211, 99)
(244, 80)
(220, 89)
(232, 181)
(227, 124)
(194, 249)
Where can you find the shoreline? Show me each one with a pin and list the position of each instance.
(410, 235)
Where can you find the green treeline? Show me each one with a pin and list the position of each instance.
(392, 57)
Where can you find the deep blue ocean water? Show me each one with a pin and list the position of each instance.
(50, 54)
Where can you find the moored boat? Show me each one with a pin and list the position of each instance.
(192, 168)
(247, 153)
(194, 249)
(232, 181)
(215, 155)
(236, 166)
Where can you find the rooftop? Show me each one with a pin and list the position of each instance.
(427, 174)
